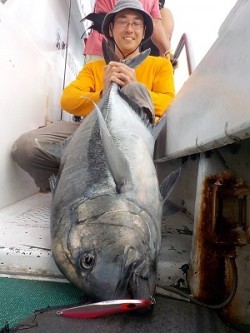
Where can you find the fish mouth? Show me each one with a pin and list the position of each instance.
(138, 277)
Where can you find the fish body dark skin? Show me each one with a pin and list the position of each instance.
(106, 240)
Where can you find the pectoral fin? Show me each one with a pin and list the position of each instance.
(169, 183)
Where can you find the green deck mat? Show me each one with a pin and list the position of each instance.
(21, 298)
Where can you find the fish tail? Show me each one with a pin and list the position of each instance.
(109, 55)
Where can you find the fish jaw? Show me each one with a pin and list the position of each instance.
(139, 278)
(123, 252)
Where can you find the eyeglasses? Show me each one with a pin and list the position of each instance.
(136, 25)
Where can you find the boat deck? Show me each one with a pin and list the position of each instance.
(25, 242)
(25, 253)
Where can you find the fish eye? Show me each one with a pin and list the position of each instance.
(87, 261)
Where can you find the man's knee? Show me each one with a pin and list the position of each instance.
(39, 165)
(24, 150)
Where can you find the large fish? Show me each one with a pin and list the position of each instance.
(107, 208)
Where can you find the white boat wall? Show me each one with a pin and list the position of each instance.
(208, 135)
(209, 123)
(38, 38)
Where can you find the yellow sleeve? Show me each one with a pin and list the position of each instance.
(163, 89)
(156, 73)
(89, 83)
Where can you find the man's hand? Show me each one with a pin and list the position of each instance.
(119, 73)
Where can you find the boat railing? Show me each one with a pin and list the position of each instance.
(184, 41)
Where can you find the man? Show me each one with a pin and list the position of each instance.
(150, 85)
(93, 47)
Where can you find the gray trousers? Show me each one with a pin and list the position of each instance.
(40, 165)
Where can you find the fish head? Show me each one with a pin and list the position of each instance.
(111, 256)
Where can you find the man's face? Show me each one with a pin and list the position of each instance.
(127, 30)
